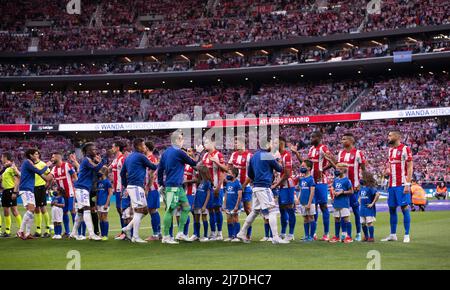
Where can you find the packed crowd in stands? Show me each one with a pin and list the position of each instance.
(407, 93)
(69, 107)
(117, 24)
(303, 98)
(428, 139)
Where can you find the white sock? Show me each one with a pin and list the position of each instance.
(76, 225)
(129, 226)
(25, 219)
(273, 224)
(248, 221)
(88, 221)
(29, 223)
(137, 224)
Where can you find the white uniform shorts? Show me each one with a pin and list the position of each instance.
(310, 211)
(199, 211)
(57, 214)
(137, 196)
(127, 213)
(341, 212)
(82, 196)
(367, 219)
(262, 199)
(100, 208)
(27, 198)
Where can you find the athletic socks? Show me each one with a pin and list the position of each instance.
(205, 229)
(137, 224)
(393, 219)
(171, 230)
(292, 220)
(306, 226)
(66, 223)
(326, 220)
(230, 230)
(156, 222)
(273, 224)
(8, 224)
(38, 222)
(104, 228)
(197, 229)
(219, 220)
(337, 228)
(76, 225)
(167, 220)
(249, 230)
(357, 219)
(18, 221)
(58, 229)
(407, 220)
(186, 226)
(349, 229)
(87, 217)
(348, 225)
(371, 232)
(365, 231)
(312, 228)
(46, 217)
(212, 221)
(283, 220)
(248, 221)
(237, 229)
(266, 230)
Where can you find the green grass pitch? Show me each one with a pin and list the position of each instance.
(429, 249)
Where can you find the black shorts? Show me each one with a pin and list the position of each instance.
(7, 200)
(40, 195)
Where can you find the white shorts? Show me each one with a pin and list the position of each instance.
(82, 196)
(233, 213)
(341, 212)
(305, 212)
(199, 211)
(137, 196)
(262, 199)
(100, 208)
(127, 213)
(27, 198)
(57, 214)
(367, 219)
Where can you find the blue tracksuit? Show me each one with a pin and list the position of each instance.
(27, 174)
(86, 174)
(261, 167)
(172, 165)
(135, 168)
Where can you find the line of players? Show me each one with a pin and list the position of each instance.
(209, 186)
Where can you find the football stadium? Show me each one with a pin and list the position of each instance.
(224, 135)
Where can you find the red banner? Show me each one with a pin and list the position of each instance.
(333, 118)
(15, 128)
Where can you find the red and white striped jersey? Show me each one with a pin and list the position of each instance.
(353, 158)
(316, 155)
(241, 160)
(286, 163)
(214, 170)
(152, 184)
(189, 175)
(116, 166)
(63, 177)
(398, 158)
